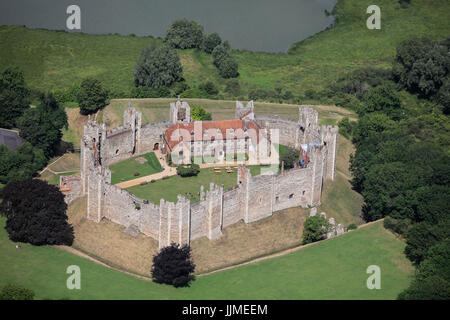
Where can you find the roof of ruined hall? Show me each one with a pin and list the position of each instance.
(199, 135)
(10, 138)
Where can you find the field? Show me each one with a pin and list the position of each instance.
(333, 269)
(55, 60)
(169, 188)
(125, 170)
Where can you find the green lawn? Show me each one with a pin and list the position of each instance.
(55, 60)
(125, 170)
(334, 269)
(169, 188)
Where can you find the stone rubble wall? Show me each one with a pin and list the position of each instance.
(254, 197)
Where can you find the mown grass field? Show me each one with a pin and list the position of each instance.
(168, 189)
(125, 170)
(52, 59)
(333, 269)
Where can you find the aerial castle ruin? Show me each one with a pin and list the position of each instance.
(252, 199)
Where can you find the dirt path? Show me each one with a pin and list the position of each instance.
(252, 261)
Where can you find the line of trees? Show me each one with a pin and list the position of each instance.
(401, 165)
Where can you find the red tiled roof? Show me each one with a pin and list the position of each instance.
(183, 131)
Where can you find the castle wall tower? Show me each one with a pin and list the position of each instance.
(329, 139)
(214, 197)
(180, 111)
(91, 149)
(318, 164)
(246, 112)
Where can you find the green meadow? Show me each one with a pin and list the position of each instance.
(332, 269)
(126, 170)
(58, 59)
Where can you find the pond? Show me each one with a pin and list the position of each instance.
(257, 25)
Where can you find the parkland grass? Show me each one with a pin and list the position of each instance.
(333, 269)
(132, 168)
(168, 189)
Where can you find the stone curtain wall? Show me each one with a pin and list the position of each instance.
(253, 198)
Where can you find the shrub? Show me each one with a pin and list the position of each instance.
(399, 226)
(219, 52)
(209, 87)
(42, 126)
(290, 158)
(346, 127)
(173, 266)
(143, 183)
(199, 114)
(147, 92)
(16, 292)
(188, 170)
(352, 227)
(195, 93)
(14, 96)
(36, 213)
(158, 67)
(233, 87)
(210, 42)
(315, 229)
(136, 174)
(228, 67)
(184, 34)
(91, 96)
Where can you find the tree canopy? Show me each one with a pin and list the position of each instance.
(36, 213)
(315, 229)
(91, 96)
(184, 34)
(14, 96)
(173, 265)
(422, 65)
(199, 114)
(20, 164)
(211, 41)
(158, 67)
(41, 126)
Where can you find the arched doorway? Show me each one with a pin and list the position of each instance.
(156, 146)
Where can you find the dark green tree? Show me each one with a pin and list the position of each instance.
(220, 52)
(289, 157)
(210, 42)
(188, 170)
(36, 213)
(184, 34)
(209, 87)
(14, 96)
(158, 67)
(173, 266)
(91, 96)
(41, 126)
(421, 66)
(383, 99)
(228, 67)
(233, 87)
(15, 292)
(200, 114)
(432, 278)
(443, 96)
(422, 236)
(20, 164)
(315, 229)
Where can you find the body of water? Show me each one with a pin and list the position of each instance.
(257, 25)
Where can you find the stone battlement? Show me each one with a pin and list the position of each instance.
(252, 199)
